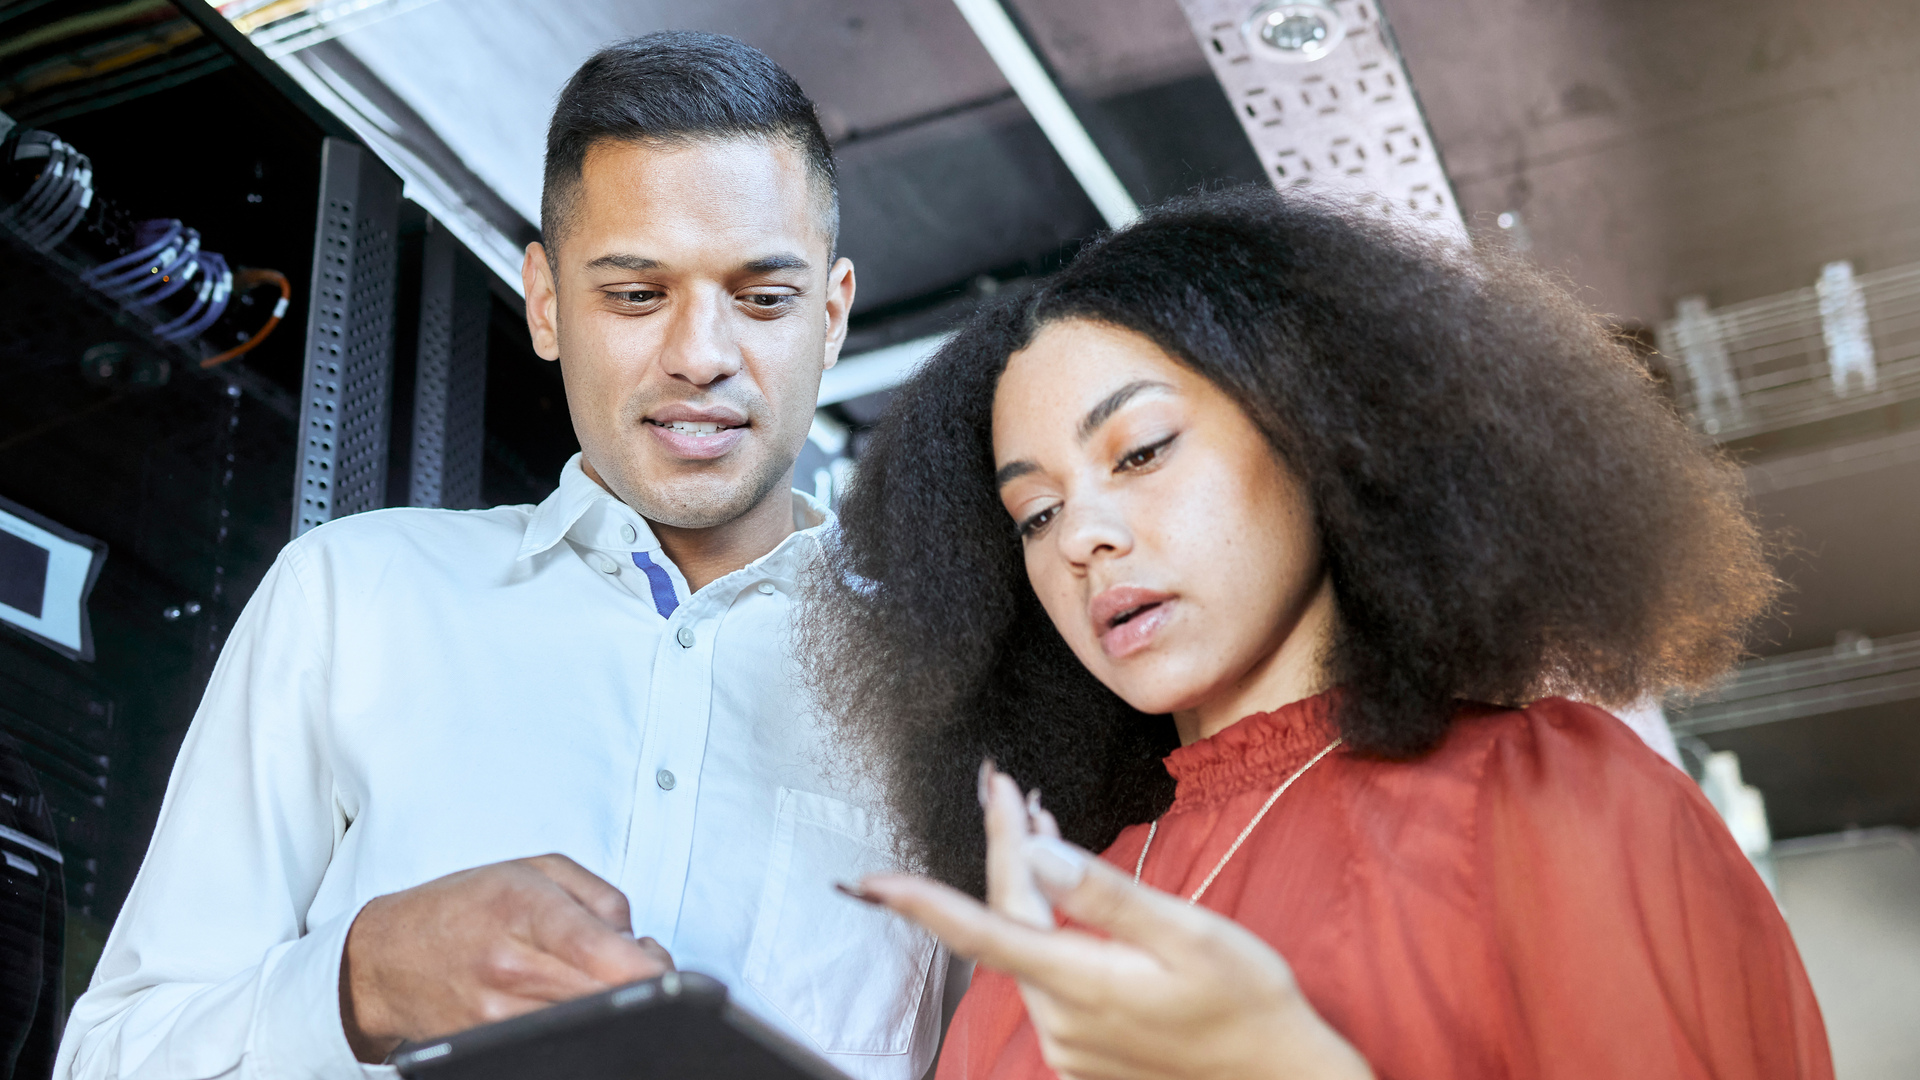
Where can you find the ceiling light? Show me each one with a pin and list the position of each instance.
(1293, 31)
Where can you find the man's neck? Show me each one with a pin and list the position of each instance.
(705, 555)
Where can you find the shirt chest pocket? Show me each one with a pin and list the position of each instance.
(851, 976)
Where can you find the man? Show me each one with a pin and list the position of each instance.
(450, 763)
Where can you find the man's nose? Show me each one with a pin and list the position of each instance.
(700, 347)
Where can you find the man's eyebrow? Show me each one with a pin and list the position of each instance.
(1012, 471)
(767, 264)
(624, 262)
(1104, 411)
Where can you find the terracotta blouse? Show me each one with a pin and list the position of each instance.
(1542, 896)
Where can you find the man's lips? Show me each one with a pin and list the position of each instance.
(687, 412)
(694, 433)
(1125, 618)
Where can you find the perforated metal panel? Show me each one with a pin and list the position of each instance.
(345, 398)
(450, 381)
(1347, 122)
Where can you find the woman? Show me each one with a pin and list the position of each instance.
(1326, 517)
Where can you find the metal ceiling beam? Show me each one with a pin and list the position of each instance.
(881, 369)
(1855, 673)
(433, 173)
(1049, 109)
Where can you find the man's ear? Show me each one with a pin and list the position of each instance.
(543, 302)
(839, 307)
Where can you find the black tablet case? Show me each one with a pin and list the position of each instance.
(680, 1025)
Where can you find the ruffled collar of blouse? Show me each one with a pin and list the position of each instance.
(1257, 752)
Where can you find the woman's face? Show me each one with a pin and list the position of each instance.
(1168, 542)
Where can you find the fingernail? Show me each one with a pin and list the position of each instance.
(1057, 864)
(856, 892)
(985, 781)
(1033, 803)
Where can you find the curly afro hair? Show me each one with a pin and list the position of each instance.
(1508, 510)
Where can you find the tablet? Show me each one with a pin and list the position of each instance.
(679, 1025)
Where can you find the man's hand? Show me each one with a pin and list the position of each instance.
(482, 945)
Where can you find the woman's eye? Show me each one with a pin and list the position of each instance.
(1038, 521)
(1141, 456)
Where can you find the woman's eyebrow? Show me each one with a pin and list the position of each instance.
(1012, 471)
(1104, 411)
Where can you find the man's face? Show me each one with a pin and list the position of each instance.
(692, 311)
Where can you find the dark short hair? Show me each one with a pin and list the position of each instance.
(1507, 507)
(673, 86)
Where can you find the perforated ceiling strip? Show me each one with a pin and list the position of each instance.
(1347, 121)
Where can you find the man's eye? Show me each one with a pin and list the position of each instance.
(1038, 521)
(1142, 456)
(768, 300)
(637, 296)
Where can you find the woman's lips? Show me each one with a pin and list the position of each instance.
(1126, 617)
(694, 445)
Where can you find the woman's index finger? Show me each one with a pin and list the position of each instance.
(1066, 963)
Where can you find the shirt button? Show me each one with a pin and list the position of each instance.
(665, 779)
(629, 533)
(767, 587)
(604, 564)
(685, 637)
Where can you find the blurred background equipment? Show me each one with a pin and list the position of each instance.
(46, 574)
(32, 923)
(1730, 180)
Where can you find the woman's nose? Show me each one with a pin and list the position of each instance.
(1094, 529)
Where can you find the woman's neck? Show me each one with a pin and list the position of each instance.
(1294, 670)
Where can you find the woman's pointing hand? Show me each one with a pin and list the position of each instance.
(1142, 985)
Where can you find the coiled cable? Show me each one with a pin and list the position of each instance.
(167, 259)
(166, 255)
(56, 201)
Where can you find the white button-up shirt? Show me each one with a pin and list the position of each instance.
(415, 692)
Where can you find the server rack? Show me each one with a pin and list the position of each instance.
(175, 448)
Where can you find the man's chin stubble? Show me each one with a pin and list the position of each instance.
(701, 502)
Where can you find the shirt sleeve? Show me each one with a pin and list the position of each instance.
(211, 969)
(1637, 938)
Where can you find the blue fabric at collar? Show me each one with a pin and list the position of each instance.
(664, 600)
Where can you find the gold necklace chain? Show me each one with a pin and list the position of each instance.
(1141, 863)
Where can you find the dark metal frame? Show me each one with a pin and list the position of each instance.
(346, 392)
(450, 376)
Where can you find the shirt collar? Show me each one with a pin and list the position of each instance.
(558, 512)
(587, 512)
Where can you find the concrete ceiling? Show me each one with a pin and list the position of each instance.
(1657, 149)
